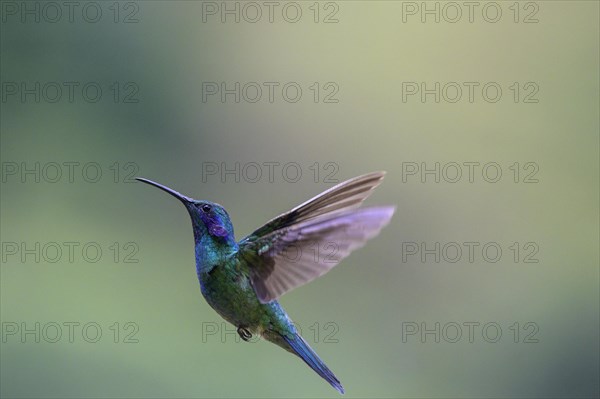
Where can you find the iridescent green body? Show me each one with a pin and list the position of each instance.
(228, 290)
(225, 283)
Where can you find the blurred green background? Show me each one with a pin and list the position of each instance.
(153, 59)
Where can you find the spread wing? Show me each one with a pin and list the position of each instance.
(306, 242)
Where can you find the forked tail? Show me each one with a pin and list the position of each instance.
(298, 345)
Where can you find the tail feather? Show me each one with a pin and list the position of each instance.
(304, 351)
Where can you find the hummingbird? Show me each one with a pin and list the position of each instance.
(242, 280)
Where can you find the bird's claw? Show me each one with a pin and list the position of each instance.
(244, 333)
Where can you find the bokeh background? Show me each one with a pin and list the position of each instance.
(156, 123)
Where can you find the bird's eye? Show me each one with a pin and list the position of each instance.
(206, 208)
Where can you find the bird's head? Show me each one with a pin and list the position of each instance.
(209, 220)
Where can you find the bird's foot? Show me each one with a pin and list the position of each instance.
(244, 334)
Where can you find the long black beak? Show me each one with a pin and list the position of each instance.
(186, 200)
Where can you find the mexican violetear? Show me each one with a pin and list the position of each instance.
(242, 280)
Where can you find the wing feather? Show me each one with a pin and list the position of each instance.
(346, 195)
(308, 241)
